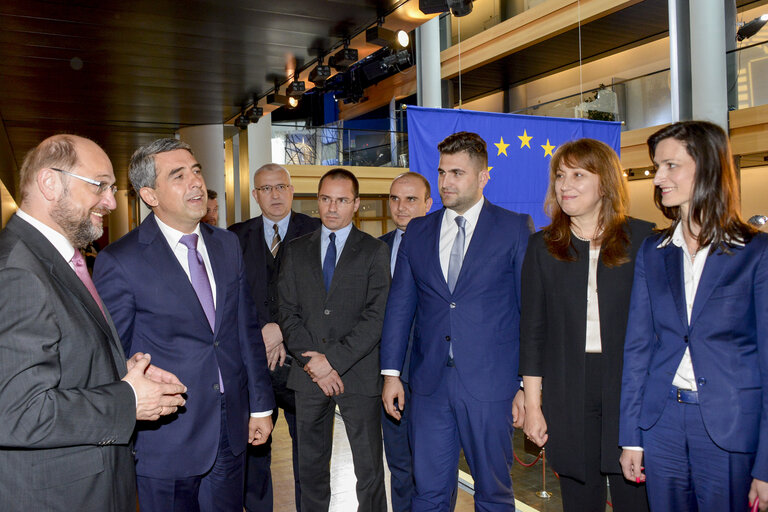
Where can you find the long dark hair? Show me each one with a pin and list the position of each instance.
(714, 204)
(598, 158)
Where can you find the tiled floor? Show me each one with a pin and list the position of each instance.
(527, 481)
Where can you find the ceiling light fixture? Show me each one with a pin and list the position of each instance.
(747, 30)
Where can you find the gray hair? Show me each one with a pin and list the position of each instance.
(141, 170)
(271, 167)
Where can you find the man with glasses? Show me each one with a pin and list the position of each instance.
(262, 240)
(68, 407)
(332, 288)
(177, 287)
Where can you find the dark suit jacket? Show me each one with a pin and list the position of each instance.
(345, 323)
(481, 316)
(261, 268)
(727, 337)
(389, 239)
(157, 311)
(67, 419)
(553, 338)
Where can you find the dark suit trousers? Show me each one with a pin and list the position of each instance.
(362, 420)
(397, 446)
(590, 496)
(219, 490)
(686, 471)
(259, 495)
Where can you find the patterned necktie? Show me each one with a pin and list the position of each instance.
(275, 241)
(82, 272)
(329, 263)
(457, 254)
(201, 284)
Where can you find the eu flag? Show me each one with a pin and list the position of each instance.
(519, 150)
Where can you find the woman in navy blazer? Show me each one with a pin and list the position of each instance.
(694, 400)
(571, 344)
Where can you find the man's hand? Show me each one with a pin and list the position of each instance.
(535, 426)
(318, 366)
(393, 391)
(518, 410)
(759, 489)
(331, 384)
(272, 336)
(259, 430)
(154, 399)
(152, 372)
(276, 357)
(631, 462)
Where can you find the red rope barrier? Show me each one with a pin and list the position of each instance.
(524, 464)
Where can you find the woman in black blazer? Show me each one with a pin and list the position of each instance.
(571, 343)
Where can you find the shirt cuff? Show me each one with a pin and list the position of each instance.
(633, 448)
(135, 396)
(390, 373)
(261, 414)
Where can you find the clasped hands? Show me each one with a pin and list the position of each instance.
(322, 373)
(158, 392)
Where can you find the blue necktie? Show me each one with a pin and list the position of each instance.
(329, 263)
(457, 254)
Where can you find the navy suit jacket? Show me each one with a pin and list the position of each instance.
(261, 282)
(481, 317)
(389, 239)
(156, 310)
(727, 337)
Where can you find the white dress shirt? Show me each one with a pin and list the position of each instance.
(395, 247)
(341, 240)
(594, 343)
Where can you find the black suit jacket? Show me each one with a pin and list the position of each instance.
(260, 267)
(553, 340)
(345, 323)
(66, 416)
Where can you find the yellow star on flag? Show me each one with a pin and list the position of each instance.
(490, 166)
(525, 140)
(548, 148)
(501, 146)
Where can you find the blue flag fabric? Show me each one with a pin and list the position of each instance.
(519, 150)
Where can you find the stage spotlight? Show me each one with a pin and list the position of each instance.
(319, 75)
(747, 30)
(295, 88)
(255, 114)
(457, 7)
(343, 59)
(293, 101)
(242, 121)
(403, 39)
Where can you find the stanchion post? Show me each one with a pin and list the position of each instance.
(543, 494)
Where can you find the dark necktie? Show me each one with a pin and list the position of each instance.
(275, 241)
(329, 263)
(457, 254)
(201, 284)
(82, 272)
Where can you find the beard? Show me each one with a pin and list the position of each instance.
(77, 227)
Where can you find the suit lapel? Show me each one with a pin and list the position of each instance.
(437, 270)
(473, 256)
(168, 270)
(313, 259)
(218, 267)
(711, 276)
(62, 273)
(348, 255)
(673, 264)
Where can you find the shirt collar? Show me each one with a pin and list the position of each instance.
(173, 236)
(282, 224)
(341, 234)
(470, 215)
(59, 241)
(678, 240)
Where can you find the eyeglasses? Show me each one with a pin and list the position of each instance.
(102, 186)
(267, 189)
(342, 201)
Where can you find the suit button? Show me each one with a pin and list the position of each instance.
(447, 338)
(216, 386)
(327, 312)
(216, 343)
(323, 340)
(453, 305)
(266, 303)
(702, 381)
(685, 338)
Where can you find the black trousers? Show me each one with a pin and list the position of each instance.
(315, 414)
(590, 496)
